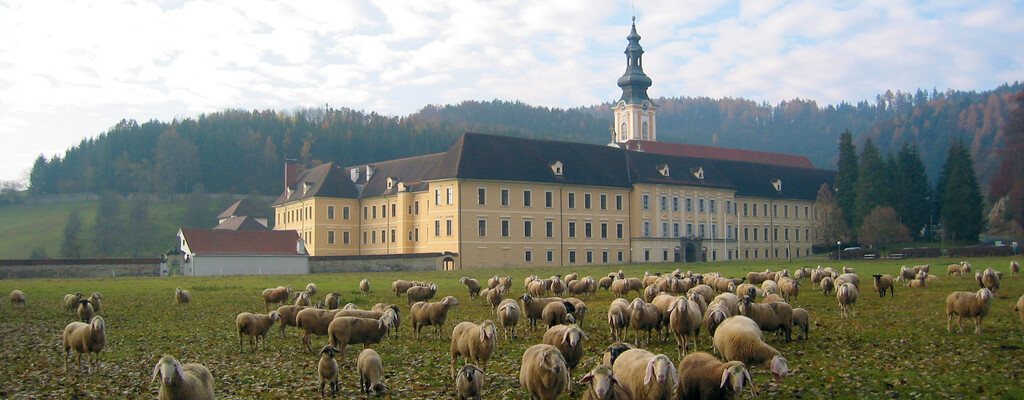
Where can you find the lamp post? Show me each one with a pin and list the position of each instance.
(839, 249)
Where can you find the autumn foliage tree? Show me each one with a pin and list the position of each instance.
(1009, 182)
(829, 223)
(882, 228)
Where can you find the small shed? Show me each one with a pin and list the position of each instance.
(231, 252)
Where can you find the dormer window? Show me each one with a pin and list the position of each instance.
(391, 182)
(369, 172)
(556, 168)
(663, 169)
(698, 172)
(354, 174)
(306, 186)
(777, 184)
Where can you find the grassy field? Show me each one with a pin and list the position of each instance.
(894, 348)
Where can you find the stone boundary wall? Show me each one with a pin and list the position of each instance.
(374, 263)
(79, 268)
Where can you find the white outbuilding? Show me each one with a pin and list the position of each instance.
(231, 252)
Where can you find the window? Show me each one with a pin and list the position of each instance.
(646, 230)
(807, 234)
(701, 231)
(383, 236)
(572, 229)
(711, 206)
(785, 234)
(330, 237)
(374, 209)
(622, 132)
(604, 202)
(572, 200)
(647, 255)
(586, 201)
(344, 213)
(590, 256)
(344, 237)
(330, 212)
(785, 210)
(528, 256)
(549, 228)
(364, 237)
(437, 228)
(437, 197)
(700, 205)
(373, 236)
(797, 233)
(689, 229)
(728, 207)
(745, 209)
(527, 198)
(644, 131)
(604, 230)
(689, 204)
(394, 236)
(481, 227)
(766, 214)
(675, 204)
(450, 198)
(755, 234)
(775, 234)
(620, 255)
(604, 256)
(675, 229)
(664, 229)
(504, 228)
(714, 231)
(664, 255)
(416, 207)
(746, 234)
(364, 212)
(587, 230)
(504, 197)
(449, 223)
(394, 209)
(766, 238)
(806, 212)
(551, 255)
(645, 201)
(481, 196)
(664, 203)
(572, 256)
(410, 236)
(548, 202)
(416, 234)
(528, 228)
(754, 211)
(618, 202)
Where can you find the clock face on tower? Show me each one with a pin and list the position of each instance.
(646, 105)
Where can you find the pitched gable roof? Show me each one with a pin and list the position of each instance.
(326, 180)
(253, 243)
(241, 208)
(241, 224)
(719, 153)
(410, 171)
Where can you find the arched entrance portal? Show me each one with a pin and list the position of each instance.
(448, 264)
(689, 249)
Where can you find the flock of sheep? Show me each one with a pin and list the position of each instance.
(679, 304)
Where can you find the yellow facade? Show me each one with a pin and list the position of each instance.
(775, 228)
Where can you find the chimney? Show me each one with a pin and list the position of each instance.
(291, 173)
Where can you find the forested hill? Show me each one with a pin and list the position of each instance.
(242, 151)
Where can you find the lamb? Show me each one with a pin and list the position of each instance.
(312, 289)
(256, 327)
(400, 286)
(182, 297)
(288, 315)
(801, 319)
(71, 301)
(649, 376)
(469, 383)
(333, 300)
(371, 370)
(604, 385)
(739, 339)
(990, 280)
(421, 293)
(827, 285)
(17, 298)
(883, 283)
(543, 373)
(568, 339)
(327, 370)
(313, 321)
(769, 317)
(618, 318)
(702, 376)
(344, 331)
(472, 284)
(508, 316)
(364, 286)
(183, 382)
(970, 305)
(556, 312)
(684, 320)
(1014, 268)
(643, 316)
(424, 314)
(475, 342)
(276, 295)
(84, 339)
(494, 298)
(85, 311)
(847, 295)
(534, 307)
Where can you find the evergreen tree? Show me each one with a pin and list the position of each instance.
(846, 179)
(961, 201)
(912, 194)
(37, 178)
(872, 183)
(71, 247)
(109, 229)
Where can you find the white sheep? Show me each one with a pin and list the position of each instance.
(702, 376)
(604, 385)
(770, 317)
(183, 382)
(580, 310)
(533, 308)
(469, 383)
(543, 373)
(276, 295)
(71, 301)
(84, 339)
(618, 318)
(643, 316)
(556, 312)
(472, 285)
(312, 289)
(848, 278)
(182, 297)
(1014, 268)
(312, 322)
(400, 286)
(364, 286)
(802, 319)
(790, 289)
(568, 339)
(421, 293)
(605, 282)
(827, 285)
(256, 327)
(847, 295)
(647, 375)
(431, 314)
(17, 298)
(967, 304)
(508, 316)
(344, 331)
(288, 316)
(684, 321)
(739, 338)
(1019, 307)
(716, 313)
(327, 370)
(85, 310)
(371, 371)
(990, 280)
(302, 299)
(495, 297)
(475, 342)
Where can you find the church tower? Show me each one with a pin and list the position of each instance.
(634, 112)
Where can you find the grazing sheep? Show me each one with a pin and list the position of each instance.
(276, 295)
(543, 373)
(643, 316)
(534, 307)
(756, 278)
(344, 331)
(1019, 307)
(568, 339)
(475, 342)
(650, 292)
(802, 319)
(421, 293)
(717, 313)
(469, 383)
(578, 287)
(364, 286)
(288, 315)
(847, 295)
(827, 285)
(605, 282)
(730, 300)
(84, 339)
(557, 286)
(748, 290)
(620, 287)
(371, 371)
(555, 313)
(965, 268)
(508, 316)
(183, 382)
(313, 321)
(883, 283)
(953, 269)
(312, 289)
(649, 376)
(907, 274)
(435, 314)
(85, 311)
(472, 285)
(618, 318)
(790, 289)
(182, 297)
(739, 339)
(851, 278)
(327, 370)
(702, 376)
(772, 298)
(770, 286)
(494, 298)
(769, 317)
(580, 312)
(990, 280)
(17, 298)
(604, 385)
(537, 288)
(333, 300)
(970, 305)
(71, 301)
(256, 326)
(1014, 268)
(684, 320)
(400, 286)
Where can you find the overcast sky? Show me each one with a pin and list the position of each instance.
(72, 69)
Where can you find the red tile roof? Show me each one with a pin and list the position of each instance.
(720, 153)
(225, 242)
